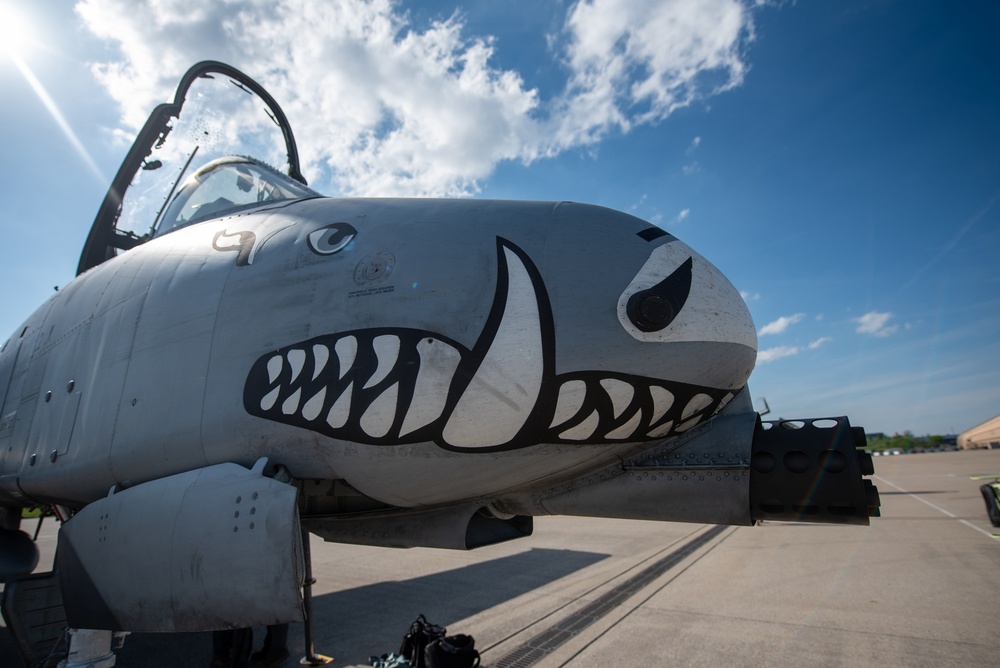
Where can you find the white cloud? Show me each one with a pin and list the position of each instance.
(876, 324)
(819, 342)
(693, 168)
(382, 107)
(749, 296)
(781, 324)
(636, 61)
(680, 217)
(776, 353)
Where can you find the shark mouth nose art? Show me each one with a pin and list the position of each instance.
(392, 386)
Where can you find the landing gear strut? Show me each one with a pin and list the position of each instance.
(311, 658)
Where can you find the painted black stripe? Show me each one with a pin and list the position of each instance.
(651, 233)
(563, 631)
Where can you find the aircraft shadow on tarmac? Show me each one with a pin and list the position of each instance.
(461, 592)
(372, 619)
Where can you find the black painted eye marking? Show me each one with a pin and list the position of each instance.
(654, 308)
(651, 233)
(331, 238)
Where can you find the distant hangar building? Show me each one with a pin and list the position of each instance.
(985, 435)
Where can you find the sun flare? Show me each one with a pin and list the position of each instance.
(15, 30)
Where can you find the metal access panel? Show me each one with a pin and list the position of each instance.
(214, 548)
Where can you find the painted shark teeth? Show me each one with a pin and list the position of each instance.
(378, 419)
(363, 384)
(504, 390)
(274, 366)
(570, 401)
(394, 385)
(321, 354)
(593, 408)
(269, 399)
(621, 393)
(341, 409)
(346, 349)
(438, 363)
(296, 359)
(313, 407)
(386, 349)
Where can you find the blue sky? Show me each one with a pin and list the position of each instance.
(838, 161)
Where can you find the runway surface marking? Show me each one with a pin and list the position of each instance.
(937, 508)
(543, 644)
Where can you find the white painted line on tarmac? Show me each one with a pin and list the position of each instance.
(936, 507)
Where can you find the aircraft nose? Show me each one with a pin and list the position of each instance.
(679, 296)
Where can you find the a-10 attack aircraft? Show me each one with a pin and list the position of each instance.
(241, 361)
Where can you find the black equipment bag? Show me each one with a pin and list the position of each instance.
(456, 651)
(422, 633)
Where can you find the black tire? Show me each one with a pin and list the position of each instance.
(992, 507)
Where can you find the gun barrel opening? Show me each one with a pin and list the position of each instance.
(811, 470)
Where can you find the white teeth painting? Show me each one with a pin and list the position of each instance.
(390, 386)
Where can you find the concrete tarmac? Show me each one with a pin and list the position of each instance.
(919, 587)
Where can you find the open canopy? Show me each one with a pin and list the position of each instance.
(182, 167)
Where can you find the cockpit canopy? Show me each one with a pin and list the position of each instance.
(226, 186)
(182, 170)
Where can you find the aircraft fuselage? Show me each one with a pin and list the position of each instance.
(388, 343)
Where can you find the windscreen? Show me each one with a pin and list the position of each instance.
(227, 186)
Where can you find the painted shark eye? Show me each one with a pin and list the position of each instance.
(659, 299)
(331, 238)
(654, 308)
(677, 295)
